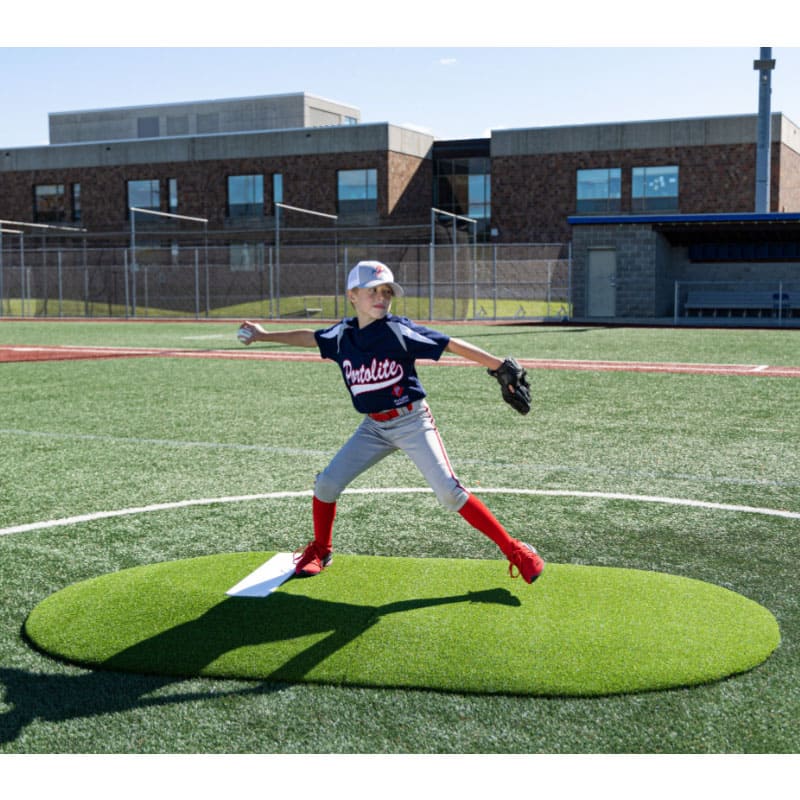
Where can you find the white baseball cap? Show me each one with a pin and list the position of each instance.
(367, 274)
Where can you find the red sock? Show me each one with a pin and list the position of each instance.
(324, 514)
(476, 513)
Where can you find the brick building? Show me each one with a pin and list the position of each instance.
(104, 162)
(231, 161)
(540, 177)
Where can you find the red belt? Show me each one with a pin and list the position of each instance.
(385, 416)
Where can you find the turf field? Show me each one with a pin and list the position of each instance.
(85, 435)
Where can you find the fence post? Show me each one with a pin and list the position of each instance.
(675, 304)
(271, 284)
(44, 292)
(345, 262)
(570, 304)
(85, 282)
(474, 282)
(134, 273)
(494, 280)
(125, 279)
(208, 289)
(146, 293)
(278, 261)
(335, 275)
(196, 284)
(22, 276)
(60, 287)
(475, 263)
(431, 273)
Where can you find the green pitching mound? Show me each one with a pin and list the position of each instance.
(453, 625)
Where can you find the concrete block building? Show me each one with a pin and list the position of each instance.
(299, 110)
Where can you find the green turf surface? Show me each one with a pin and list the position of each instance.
(688, 345)
(80, 437)
(445, 624)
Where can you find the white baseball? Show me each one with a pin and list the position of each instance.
(244, 335)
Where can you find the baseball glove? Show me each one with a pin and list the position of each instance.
(513, 384)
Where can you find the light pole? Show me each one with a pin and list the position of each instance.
(455, 217)
(41, 226)
(765, 64)
(134, 210)
(17, 233)
(278, 207)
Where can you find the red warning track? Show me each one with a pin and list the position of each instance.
(17, 353)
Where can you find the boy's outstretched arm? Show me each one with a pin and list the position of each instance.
(466, 350)
(250, 332)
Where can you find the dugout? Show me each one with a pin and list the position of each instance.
(734, 269)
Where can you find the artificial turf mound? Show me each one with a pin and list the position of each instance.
(455, 625)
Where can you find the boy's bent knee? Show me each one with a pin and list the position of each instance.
(454, 499)
(326, 490)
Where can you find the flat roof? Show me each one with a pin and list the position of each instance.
(206, 102)
(703, 228)
(642, 219)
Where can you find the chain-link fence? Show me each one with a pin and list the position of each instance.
(443, 282)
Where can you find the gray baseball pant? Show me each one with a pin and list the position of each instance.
(415, 433)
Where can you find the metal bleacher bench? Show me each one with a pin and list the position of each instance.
(730, 303)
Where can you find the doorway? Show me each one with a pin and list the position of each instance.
(602, 283)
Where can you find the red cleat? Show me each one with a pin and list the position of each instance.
(311, 561)
(527, 561)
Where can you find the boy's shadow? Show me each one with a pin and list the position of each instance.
(231, 624)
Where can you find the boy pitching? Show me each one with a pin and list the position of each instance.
(376, 351)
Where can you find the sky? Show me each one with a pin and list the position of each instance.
(456, 89)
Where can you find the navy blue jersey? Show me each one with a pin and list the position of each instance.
(377, 362)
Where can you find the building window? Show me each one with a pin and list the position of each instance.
(463, 186)
(357, 191)
(177, 126)
(144, 194)
(599, 190)
(277, 190)
(655, 189)
(480, 197)
(173, 195)
(49, 203)
(245, 195)
(246, 257)
(208, 123)
(76, 202)
(350, 120)
(147, 127)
